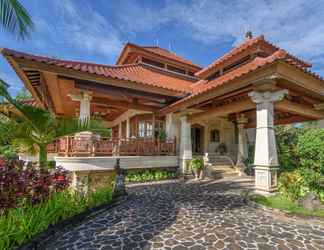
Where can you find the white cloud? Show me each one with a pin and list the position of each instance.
(80, 27)
(296, 25)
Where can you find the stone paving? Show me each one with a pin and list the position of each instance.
(206, 215)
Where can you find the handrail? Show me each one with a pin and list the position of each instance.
(102, 146)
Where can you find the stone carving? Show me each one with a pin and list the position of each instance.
(119, 188)
(310, 202)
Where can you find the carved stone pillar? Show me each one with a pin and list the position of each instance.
(170, 126)
(128, 128)
(265, 156)
(185, 146)
(242, 152)
(84, 98)
(85, 112)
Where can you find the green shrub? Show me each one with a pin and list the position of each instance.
(287, 138)
(197, 163)
(149, 175)
(310, 148)
(292, 185)
(20, 224)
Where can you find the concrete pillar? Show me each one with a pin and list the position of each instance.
(128, 128)
(84, 98)
(185, 145)
(242, 152)
(170, 126)
(85, 110)
(120, 130)
(265, 156)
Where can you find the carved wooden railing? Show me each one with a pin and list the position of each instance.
(84, 146)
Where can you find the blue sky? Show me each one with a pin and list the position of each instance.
(198, 30)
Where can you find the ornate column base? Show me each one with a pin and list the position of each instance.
(266, 178)
(185, 168)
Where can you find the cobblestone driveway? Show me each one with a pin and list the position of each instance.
(209, 215)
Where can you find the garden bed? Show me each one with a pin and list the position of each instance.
(150, 175)
(40, 240)
(280, 203)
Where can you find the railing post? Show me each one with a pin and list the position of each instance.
(93, 151)
(175, 145)
(67, 146)
(159, 147)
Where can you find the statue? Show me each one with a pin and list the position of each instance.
(119, 188)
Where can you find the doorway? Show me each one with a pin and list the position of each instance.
(197, 135)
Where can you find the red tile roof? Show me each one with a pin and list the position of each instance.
(137, 73)
(161, 52)
(204, 86)
(244, 46)
(169, 54)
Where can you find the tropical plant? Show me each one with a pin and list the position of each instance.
(197, 163)
(15, 18)
(149, 175)
(21, 224)
(34, 128)
(23, 94)
(20, 184)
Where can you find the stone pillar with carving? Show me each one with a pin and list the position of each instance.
(128, 128)
(84, 140)
(265, 157)
(185, 146)
(170, 126)
(242, 150)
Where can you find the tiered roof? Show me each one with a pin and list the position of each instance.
(137, 73)
(259, 52)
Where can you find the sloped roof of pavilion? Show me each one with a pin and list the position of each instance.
(204, 86)
(138, 73)
(161, 52)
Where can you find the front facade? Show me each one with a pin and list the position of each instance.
(163, 109)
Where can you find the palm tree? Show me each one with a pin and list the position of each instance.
(15, 18)
(35, 128)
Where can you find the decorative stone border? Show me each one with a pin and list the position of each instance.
(40, 240)
(284, 215)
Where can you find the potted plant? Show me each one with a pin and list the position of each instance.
(162, 136)
(197, 165)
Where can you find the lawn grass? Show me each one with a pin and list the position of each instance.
(280, 202)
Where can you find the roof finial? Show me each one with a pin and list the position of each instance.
(248, 35)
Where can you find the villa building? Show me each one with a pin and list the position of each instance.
(163, 109)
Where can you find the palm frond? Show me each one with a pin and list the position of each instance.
(37, 117)
(69, 126)
(15, 18)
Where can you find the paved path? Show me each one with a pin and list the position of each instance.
(208, 215)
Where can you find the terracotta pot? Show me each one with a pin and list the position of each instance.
(196, 172)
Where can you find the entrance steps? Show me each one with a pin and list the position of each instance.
(220, 167)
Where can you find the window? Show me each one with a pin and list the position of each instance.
(141, 129)
(145, 129)
(175, 69)
(214, 135)
(152, 62)
(149, 129)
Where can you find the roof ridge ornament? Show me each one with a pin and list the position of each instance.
(248, 35)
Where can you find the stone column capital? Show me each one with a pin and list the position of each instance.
(242, 119)
(268, 96)
(83, 96)
(183, 118)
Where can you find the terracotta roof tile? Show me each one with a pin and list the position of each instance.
(137, 73)
(244, 46)
(168, 54)
(204, 86)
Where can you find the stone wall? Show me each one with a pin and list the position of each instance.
(89, 181)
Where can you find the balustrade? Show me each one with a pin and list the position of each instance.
(79, 146)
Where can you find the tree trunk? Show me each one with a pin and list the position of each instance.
(42, 156)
